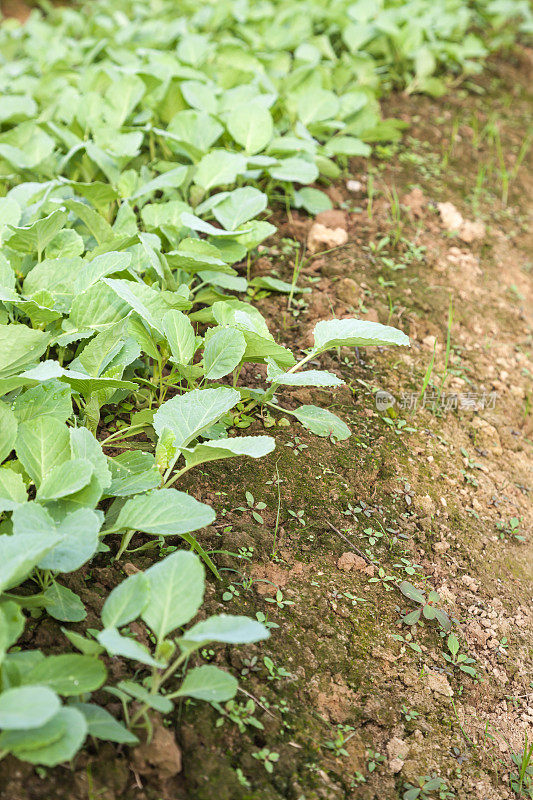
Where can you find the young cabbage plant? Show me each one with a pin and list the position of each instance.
(166, 598)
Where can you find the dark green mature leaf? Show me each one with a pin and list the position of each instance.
(68, 675)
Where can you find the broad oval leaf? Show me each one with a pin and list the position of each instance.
(176, 592)
(355, 333)
(65, 479)
(125, 646)
(223, 352)
(227, 628)
(322, 422)
(27, 707)
(72, 729)
(126, 601)
(251, 126)
(215, 449)
(69, 674)
(188, 415)
(164, 512)
(208, 683)
(102, 725)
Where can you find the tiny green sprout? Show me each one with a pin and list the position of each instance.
(372, 535)
(336, 745)
(459, 660)
(241, 714)
(275, 673)
(387, 581)
(407, 566)
(230, 593)
(374, 760)
(511, 528)
(279, 600)
(522, 781)
(261, 617)
(424, 787)
(298, 516)
(268, 757)
(427, 608)
(409, 713)
(254, 507)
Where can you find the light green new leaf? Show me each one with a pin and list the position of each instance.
(355, 333)
(188, 415)
(42, 444)
(294, 170)
(27, 707)
(251, 126)
(176, 592)
(168, 180)
(215, 449)
(69, 674)
(322, 422)
(132, 472)
(19, 347)
(125, 646)
(64, 479)
(223, 352)
(240, 206)
(34, 238)
(84, 445)
(79, 532)
(51, 399)
(312, 377)
(126, 601)
(219, 168)
(17, 563)
(8, 428)
(180, 336)
(208, 683)
(227, 628)
(12, 489)
(63, 604)
(164, 512)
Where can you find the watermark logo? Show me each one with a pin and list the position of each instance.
(384, 400)
(445, 401)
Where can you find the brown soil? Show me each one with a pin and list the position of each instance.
(434, 483)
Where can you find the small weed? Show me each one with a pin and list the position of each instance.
(459, 660)
(267, 757)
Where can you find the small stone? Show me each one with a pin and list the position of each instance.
(322, 238)
(354, 186)
(451, 217)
